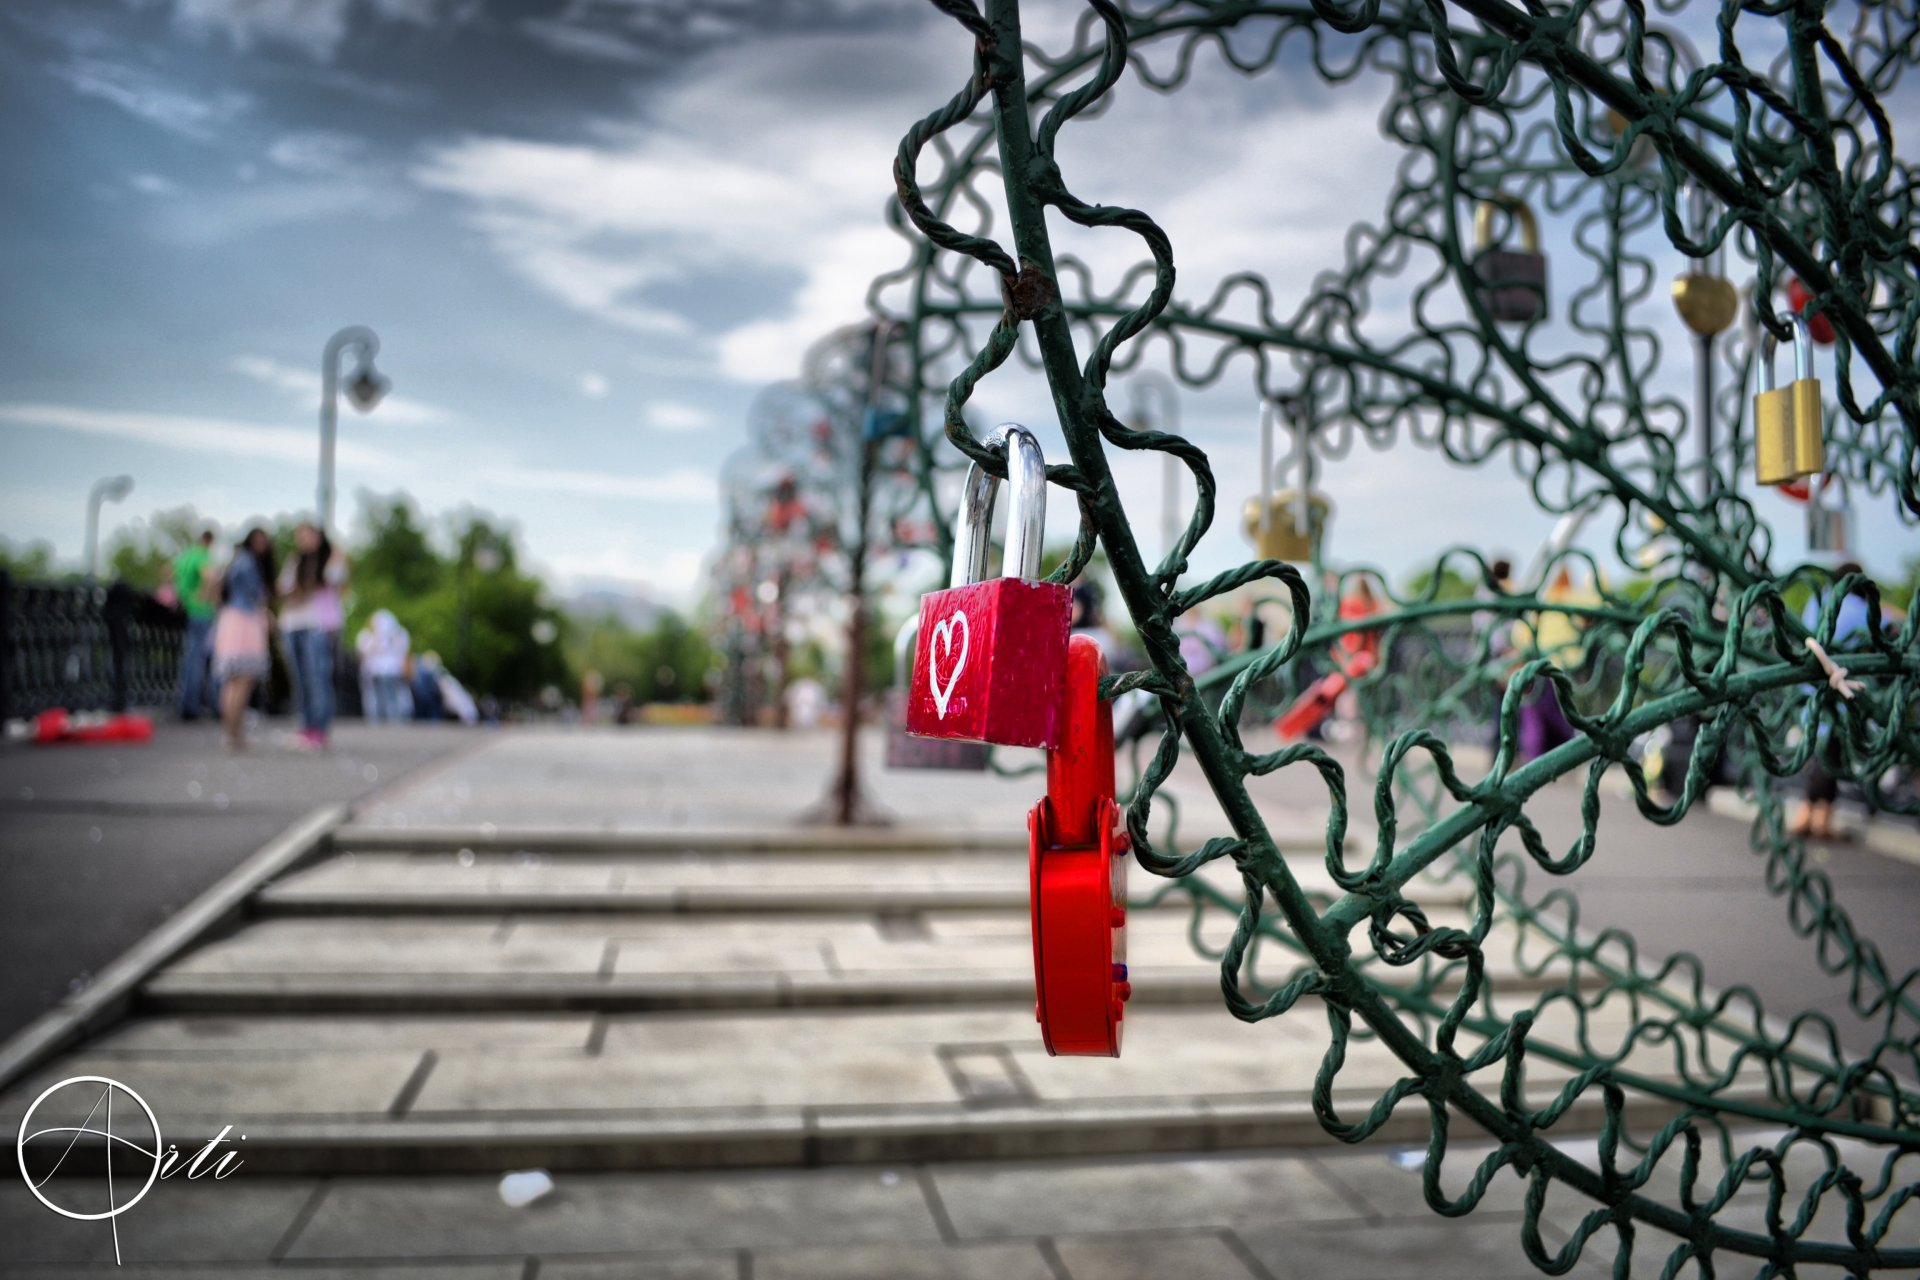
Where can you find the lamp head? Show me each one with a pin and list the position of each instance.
(116, 488)
(367, 388)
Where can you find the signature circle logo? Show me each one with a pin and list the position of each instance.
(108, 1088)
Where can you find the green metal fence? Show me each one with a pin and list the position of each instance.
(1653, 159)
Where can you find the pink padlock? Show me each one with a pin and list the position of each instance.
(991, 661)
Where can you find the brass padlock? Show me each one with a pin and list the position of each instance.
(1707, 303)
(1285, 537)
(1787, 441)
(1511, 283)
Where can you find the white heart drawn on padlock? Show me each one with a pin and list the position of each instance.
(942, 638)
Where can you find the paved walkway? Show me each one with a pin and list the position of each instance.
(751, 1049)
(99, 845)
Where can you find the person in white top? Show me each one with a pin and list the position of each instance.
(384, 646)
(311, 614)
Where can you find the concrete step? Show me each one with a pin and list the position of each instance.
(617, 962)
(729, 881)
(424, 1095)
(1293, 836)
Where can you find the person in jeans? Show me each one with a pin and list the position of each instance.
(311, 615)
(384, 648)
(240, 658)
(199, 599)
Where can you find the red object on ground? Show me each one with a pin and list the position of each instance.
(990, 663)
(1798, 296)
(1316, 704)
(55, 726)
(1078, 871)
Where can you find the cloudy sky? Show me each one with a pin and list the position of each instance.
(586, 231)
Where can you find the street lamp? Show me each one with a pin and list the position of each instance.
(365, 388)
(1151, 385)
(109, 489)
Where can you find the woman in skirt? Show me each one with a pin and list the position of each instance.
(240, 633)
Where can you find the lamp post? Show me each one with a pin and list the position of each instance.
(364, 390)
(108, 489)
(1151, 385)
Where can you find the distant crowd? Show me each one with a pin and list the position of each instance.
(234, 609)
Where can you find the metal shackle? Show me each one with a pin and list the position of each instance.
(1483, 222)
(1026, 522)
(904, 642)
(1802, 352)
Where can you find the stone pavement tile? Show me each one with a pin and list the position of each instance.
(705, 1265)
(608, 1213)
(1065, 1197)
(394, 944)
(992, 1261)
(1388, 1190)
(1190, 1256)
(267, 1032)
(185, 1094)
(1482, 1246)
(694, 954)
(702, 1060)
(1201, 1050)
(507, 1269)
(237, 1219)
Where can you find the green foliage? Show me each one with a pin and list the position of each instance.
(142, 552)
(1454, 585)
(32, 561)
(666, 664)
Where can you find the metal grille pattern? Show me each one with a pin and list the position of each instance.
(1604, 117)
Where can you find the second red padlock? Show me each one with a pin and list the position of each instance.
(1078, 867)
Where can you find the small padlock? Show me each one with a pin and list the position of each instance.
(1511, 283)
(991, 656)
(904, 751)
(1284, 536)
(1787, 440)
(1078, 869)
(1707, 303)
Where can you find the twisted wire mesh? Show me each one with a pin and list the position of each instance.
(1603, 117)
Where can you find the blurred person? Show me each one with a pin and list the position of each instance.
(240, 631)
(198, 588)
(384, 646)
(1087, 620)
(1554, 635)
(1814, 818)
(429, 703)
(590, 685)
(311, 615)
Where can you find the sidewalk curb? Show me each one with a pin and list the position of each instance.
(109, 997)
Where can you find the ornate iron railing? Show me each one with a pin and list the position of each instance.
(1603, 117)
(85, 647)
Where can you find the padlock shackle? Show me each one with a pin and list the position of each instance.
(903, 645)
(1026, 521)
(1080, 771)
(1802, 352)
(1483, 212)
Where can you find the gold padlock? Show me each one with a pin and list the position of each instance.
(1787, 440)
(1707, 303)
(1284, 538)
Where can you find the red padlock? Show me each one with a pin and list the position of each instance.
(991, 655)
(1079, 876)
(1820, 326)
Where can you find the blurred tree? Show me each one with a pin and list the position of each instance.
(668, 663)
(30, 561)
(141, 553)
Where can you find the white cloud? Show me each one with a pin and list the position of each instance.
(192, 433)
(682, 484)
(151, 184)
(765, 158)
(314, 27)
(672, 575)
(668, 415)
(141, 93)
(304, 384)
(594, 386)
(315, 151)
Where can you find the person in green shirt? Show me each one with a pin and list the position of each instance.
(199, 598)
